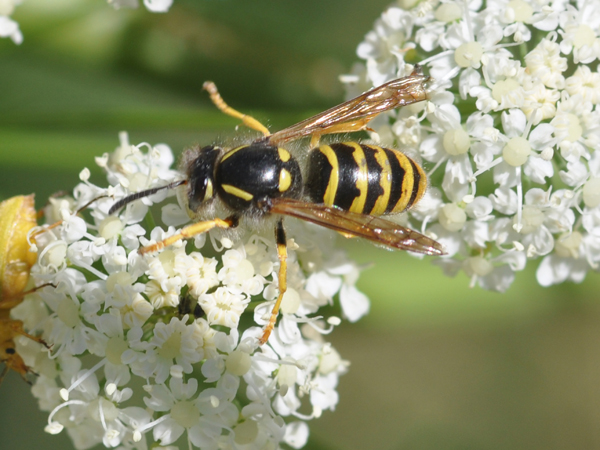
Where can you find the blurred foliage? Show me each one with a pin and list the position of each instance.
(436, 365)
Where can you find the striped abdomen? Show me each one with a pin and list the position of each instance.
(364, 179)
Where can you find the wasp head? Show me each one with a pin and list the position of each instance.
(199, 166)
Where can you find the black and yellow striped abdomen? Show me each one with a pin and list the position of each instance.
(365, 179)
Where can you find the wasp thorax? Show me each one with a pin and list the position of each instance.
(200, 168)
(250, 175)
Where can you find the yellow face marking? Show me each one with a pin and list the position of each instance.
(232, 151)
(285, 180)
(237, 192)
(385, 181)
(209, 190)
(334, 179)
(284, 155)
(408, 183)
(362, 181)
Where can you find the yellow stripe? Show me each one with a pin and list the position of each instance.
(284, 155)
(385, 181)
(362, 181)
(237, 192)
(285, 180)
(209, 190)
(334, 178)
(232, 151)
(408, 183)
(422, 185)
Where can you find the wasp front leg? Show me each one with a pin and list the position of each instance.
(282, 254)
(191, 231)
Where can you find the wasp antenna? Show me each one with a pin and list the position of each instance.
(218, 101)
(142, 194)
(84, 207)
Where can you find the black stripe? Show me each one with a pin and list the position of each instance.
(397, 179)
(348, 174)
(319, 173)
(416, 179)
(374, 190)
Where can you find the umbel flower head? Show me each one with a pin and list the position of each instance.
(162, 349)
(509, 135)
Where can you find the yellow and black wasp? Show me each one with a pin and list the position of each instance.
(345, 186)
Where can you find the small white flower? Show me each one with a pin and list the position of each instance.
(223, 308)
(171, 342)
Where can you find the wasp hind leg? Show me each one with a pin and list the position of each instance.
(249, 121)
(282, 254)
(192, 230)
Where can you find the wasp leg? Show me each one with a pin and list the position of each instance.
(249, 121)
(347, 127)
(314, 140)
(282, 254)
(192, 230)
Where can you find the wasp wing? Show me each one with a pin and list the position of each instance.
(354, 114)
(375, 229)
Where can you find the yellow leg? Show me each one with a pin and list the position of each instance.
(249, 121)
(282, 254)
(314, 140)
(344, 127)
(190, 231)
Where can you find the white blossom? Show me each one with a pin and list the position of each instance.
(178, 328)
(506, 129)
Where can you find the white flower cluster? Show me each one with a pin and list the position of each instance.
(133, 365)
(510, 131)
(8, 27)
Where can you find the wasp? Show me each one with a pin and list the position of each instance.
(345, 186)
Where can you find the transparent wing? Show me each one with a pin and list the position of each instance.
(375, 229)
(354, 114)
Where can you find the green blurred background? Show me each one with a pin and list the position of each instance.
(436, 365)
